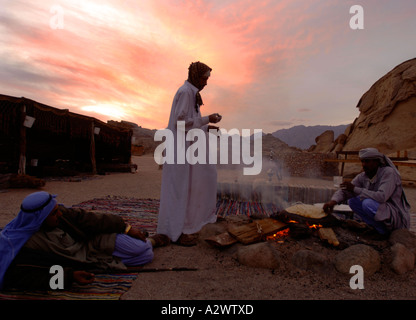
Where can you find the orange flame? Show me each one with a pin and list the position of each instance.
(278, 236)
(281, 235)
(315, 226)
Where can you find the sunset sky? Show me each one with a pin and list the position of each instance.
(276, 63)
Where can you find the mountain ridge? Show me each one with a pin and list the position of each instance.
(303, 137)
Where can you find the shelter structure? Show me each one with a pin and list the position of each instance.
(40, 140)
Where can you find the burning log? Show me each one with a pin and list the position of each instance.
(256, 231)
(299, 230)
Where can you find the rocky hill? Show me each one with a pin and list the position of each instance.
(387, 117)
(303, 137)
(387, 113)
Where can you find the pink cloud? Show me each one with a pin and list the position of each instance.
(108, 54)
(135, 54)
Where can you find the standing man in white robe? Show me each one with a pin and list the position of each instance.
(189, 191)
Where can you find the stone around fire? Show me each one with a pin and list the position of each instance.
(360, 254)
(259, 255)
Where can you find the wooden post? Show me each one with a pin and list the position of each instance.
(22, 141)
(92, 150)
(343, 165)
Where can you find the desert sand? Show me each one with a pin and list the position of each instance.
(218, 274)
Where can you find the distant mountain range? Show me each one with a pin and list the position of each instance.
(303, 137)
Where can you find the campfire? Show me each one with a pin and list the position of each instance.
(306, 220)
(297, 230)
(297, 222)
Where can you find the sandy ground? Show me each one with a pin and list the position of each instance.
(219, 275)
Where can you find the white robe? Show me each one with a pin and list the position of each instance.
(189, 192)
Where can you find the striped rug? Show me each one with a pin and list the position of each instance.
(104, 287)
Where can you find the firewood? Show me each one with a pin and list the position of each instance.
(257, 230)
(327, 234)
(221, 240)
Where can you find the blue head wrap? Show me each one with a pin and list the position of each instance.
(33, 211)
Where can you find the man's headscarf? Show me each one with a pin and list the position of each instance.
(373, 153)
(195, 72)
(33, 211)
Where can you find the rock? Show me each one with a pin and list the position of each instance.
(324, 142)
(342, 138)
(310, 260)
(259, 255)
(387, 112)
(360, 254)
(403, 259)
(339, 143)
(348, 130)
(405, 237)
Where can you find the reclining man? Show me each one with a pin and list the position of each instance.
(44, 234)
(376, 194)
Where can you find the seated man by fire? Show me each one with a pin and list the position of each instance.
(376, 195)
(45, 234)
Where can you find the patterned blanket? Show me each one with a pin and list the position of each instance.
(141, 213)
(104, 287)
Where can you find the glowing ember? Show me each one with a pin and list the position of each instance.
(278, 236)
(315, 226)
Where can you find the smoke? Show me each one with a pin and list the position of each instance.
(273, 186)
(268, 187)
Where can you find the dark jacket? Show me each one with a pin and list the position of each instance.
(31, 268)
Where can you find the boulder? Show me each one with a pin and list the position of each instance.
(310, 260)
(360, 254)
(259, 255)
(387, 113)
(339, 143)
(324, 142)
(405, 237)
(403, 259)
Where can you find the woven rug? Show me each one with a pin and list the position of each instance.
(104, 287)
(228, 207)
(140, 213)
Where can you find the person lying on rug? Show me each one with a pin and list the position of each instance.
(376, 194)
(45, 234)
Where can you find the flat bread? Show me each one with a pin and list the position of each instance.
(307, 210)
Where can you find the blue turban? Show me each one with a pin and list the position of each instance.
(33, 211)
